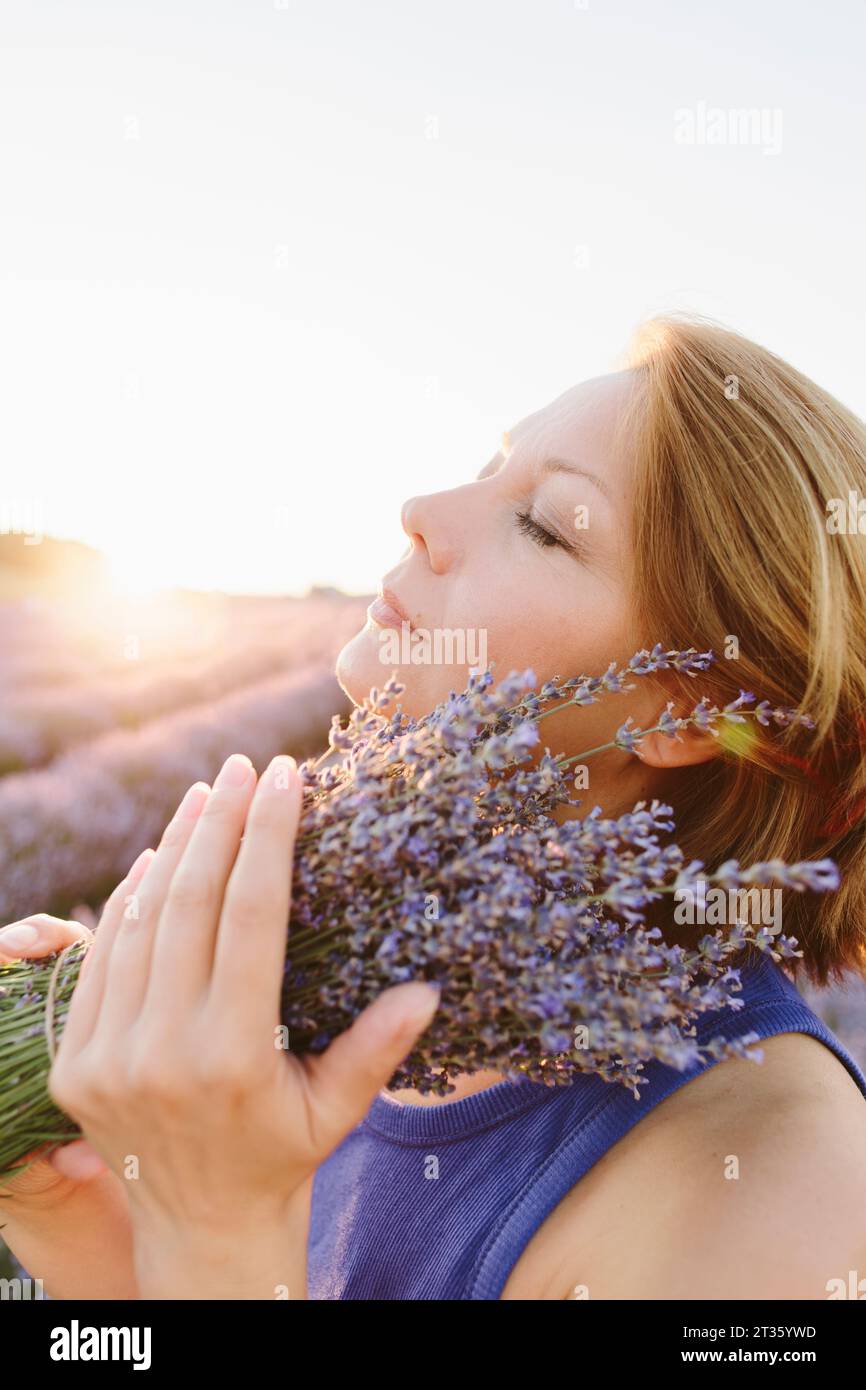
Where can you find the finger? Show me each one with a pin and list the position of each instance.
(36, 936)
(183, 950)
(250, 952)
(132, 946)
(87, 995)
(138, 898)
(111, 915)
(77, 1161)
(345, 1080)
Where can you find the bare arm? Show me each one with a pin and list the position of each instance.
(243, 1259)
(76, 1237)
(747, 1183)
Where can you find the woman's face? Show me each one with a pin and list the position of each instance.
(532, 559)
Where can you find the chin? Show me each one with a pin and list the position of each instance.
(356, 665)
(359, 669)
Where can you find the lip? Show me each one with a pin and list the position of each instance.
(386, 610)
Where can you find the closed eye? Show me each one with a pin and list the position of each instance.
(540, 534)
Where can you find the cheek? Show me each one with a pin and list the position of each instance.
(560, 628)
(540, 622)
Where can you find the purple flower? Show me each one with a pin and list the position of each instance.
(431, 848)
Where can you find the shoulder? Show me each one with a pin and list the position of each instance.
(748, 1182)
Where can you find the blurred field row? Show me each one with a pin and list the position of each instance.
(110, 708)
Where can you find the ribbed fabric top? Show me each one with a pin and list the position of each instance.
(439, 1202)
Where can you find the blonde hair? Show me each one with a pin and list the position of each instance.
(738, 456)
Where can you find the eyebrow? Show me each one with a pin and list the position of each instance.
(557, 465)
(551, 465)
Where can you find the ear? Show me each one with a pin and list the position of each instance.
(684, 749)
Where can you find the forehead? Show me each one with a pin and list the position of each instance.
(581, 425)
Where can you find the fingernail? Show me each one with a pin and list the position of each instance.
(19, 936)
(234, 771)
(138, 868)
(193, 801)
(280, 771)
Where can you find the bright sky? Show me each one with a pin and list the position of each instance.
(271, 266)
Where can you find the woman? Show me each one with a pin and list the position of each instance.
(683, 500)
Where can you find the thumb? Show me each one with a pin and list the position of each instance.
(78, 1161)
(38, 935)
(347, 1077)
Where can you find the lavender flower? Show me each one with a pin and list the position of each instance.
(432, 849)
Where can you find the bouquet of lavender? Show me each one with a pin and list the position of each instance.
(431, 849)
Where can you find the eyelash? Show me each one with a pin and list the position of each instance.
(530, 527)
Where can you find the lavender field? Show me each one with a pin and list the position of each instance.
(111, 708)
(109, 712)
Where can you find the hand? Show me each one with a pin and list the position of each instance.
(52, 1175)
(66, 1215)
(170, 1059)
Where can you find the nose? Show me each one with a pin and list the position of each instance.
(410, 517)
(407, 517)
(426, 522)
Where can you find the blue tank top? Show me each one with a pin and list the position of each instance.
(383, 1227)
